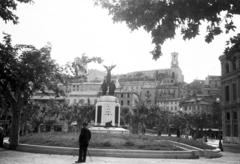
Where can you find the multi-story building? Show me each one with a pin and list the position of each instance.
(149, 92)
(196, 106)
(174, 72)
(83, 97)
(135, 86)
(171, 89)
(230, 101)
(213, 81)
(42, 99)
(171, 105)
(195, 87)
(81, 87)
(168, 95)
(212, 86)
(127, 98)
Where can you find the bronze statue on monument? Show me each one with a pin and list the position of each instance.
(108, 84)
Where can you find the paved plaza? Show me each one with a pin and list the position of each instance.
(15, 157)
(231, 155)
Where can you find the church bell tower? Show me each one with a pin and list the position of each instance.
(174, 62)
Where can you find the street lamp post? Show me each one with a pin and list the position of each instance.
(219, 128)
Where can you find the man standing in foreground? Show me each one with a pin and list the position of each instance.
(1, 136)
(84, 139)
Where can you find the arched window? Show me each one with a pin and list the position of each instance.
(227, 67)
(173, 75)
(234, 63)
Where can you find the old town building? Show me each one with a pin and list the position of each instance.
(149, 92)
(196, 106)
(230, 102)
(171, 88)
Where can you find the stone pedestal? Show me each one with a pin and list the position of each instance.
(107, 110)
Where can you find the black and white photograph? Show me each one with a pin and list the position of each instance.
(120, 81)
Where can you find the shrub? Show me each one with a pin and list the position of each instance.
(107, 144)
(129, 143)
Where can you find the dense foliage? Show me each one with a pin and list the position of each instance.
(162, 18)
(7, 7)
(23, 70)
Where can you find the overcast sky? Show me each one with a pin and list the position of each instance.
(75, 27)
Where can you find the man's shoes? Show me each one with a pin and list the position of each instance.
(78, 162)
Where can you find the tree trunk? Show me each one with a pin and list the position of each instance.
(178, 132)
(197, 133)
(68, 128)
(79, 125)
(169, 131)
(159, 132)
(135, 128)
(14, 134)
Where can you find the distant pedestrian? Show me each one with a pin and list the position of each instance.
(84, 139)
(1, 136)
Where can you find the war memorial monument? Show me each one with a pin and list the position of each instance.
(107, 112)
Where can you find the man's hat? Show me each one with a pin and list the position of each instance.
(85, 124)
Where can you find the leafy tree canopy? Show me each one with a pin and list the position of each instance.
(76, 71)
(232, 50)
(7, 7)
(24, 70)
(162, 18)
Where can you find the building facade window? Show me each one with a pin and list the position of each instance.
(227, 97)
(234, 91)
(228, 130)
(128, 102)
(228, 116)
(234, 63)
(227, 67)
(235, 116)
(121, 102)
(235, 130)
(122, 95)
(128, 95)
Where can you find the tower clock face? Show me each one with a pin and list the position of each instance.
(174, 62)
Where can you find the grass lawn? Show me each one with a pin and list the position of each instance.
(108, 141)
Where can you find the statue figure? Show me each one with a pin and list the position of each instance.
(109, 69)
(104, 87)
(108, 82)
(112, 88)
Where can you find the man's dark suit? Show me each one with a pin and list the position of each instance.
(84, 139)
